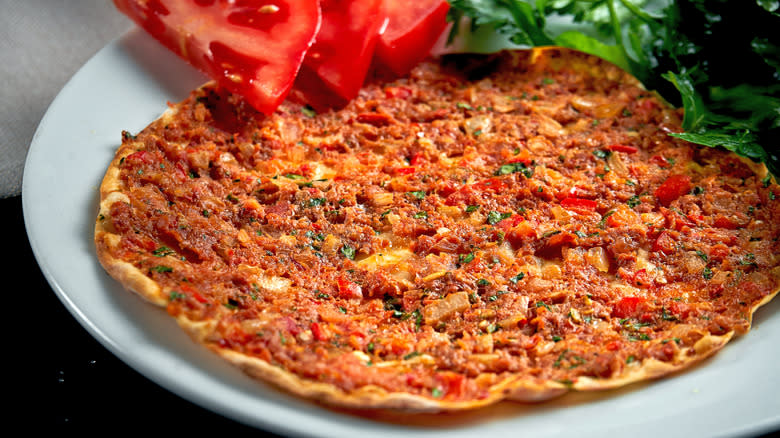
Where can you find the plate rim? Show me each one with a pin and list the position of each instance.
(123, 353)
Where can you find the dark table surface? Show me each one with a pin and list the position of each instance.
(72, 382)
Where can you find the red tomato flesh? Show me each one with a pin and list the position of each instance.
(342, 53)
(413, 27)
(253, 48)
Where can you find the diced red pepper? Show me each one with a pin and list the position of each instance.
(680, 310)
(671, 189)
(490, 184)
(665, 243)
(641, 278)
(409, 170)
(527, 162)
(510, 222)
(317, 332)
(659, 160)
(452, 384)
(376, 119)
(398, 92)
(349, 289)
(622, 148)
(627, 306)
(576, 192)
(586, 204)
(139, 157)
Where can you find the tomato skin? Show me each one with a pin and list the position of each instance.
(235, 43)
(341, 55)
(671, 189)
(413, 27)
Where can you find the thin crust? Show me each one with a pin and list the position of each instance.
(647, 309)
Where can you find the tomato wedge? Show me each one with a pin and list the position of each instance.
(341, 55)
(413, 27)
(251, 47)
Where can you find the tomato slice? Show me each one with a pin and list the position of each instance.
(413, 27)
(341, 55)
(251, 47)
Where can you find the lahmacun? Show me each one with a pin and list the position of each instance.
(512, 226)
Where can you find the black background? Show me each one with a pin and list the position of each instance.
(61, 379)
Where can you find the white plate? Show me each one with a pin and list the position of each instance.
(126, 86)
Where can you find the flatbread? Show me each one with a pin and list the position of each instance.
(512, 226)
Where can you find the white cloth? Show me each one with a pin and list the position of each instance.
(42, 44)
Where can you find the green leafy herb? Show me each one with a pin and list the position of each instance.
(174, 295)
(685, 50)
(348, 252)
(162, 251)
(420, 194)
(517, 278)
(316, 202)
(495, 217)
(465, 258)
(510, 168)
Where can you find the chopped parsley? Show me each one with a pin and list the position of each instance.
(419, 194)
(495, 217)
(517, 278)
(517, 167)
(162, 251)
(465, 258)
(348, 252)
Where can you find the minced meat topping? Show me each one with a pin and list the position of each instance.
(477, 220)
